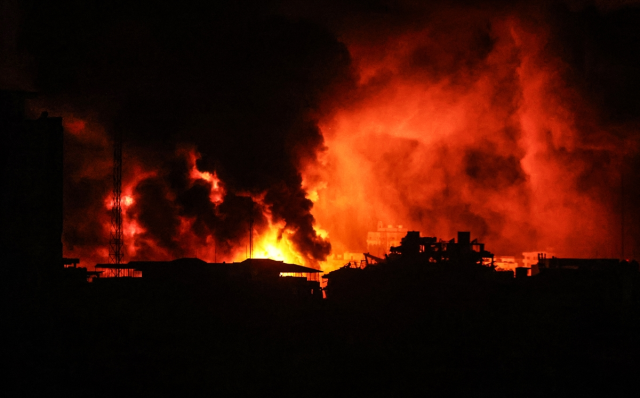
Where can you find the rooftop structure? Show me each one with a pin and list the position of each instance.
(546, 264)
(464, 251)
(530, 260)
(416, 258)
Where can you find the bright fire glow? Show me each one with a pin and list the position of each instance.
(494, 147)
(273, 244)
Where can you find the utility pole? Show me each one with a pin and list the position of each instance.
(116, 242)
(251, 228)
(622, 209)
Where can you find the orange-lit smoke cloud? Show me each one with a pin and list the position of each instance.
(466, 123)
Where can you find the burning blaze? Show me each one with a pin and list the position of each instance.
(275, 244)
(460, 119)
(148, 205)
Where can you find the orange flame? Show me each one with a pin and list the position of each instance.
(273, 244)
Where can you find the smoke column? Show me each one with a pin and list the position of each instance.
(513, 122)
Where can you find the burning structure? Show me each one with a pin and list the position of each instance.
(505, 263)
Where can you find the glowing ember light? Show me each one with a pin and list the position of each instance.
(132, 229)
(73, 125)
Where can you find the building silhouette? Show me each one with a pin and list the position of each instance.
(412, 265)
(32, 213)
(256, 274)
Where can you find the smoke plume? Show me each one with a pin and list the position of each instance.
(515, 121)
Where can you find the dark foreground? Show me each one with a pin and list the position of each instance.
(529, 338)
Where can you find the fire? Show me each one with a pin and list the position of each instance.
(274, 243)
(469, 126)
(269, 241)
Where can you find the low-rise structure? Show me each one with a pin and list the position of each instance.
(530, 260)
(505, 263)
(291, 279)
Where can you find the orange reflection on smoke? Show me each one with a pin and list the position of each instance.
(217, 192)
(73, 125)
(493, 147)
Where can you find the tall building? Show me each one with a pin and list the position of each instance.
(31, 209)
(379, 242)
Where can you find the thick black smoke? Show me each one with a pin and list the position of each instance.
(238, 82)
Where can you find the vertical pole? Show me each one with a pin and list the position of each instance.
(116, 241)
(251, 229)
(622, 209)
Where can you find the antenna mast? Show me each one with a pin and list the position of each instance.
(115, 243)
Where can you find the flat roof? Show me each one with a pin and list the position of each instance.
(279, 266)
(262, 263)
